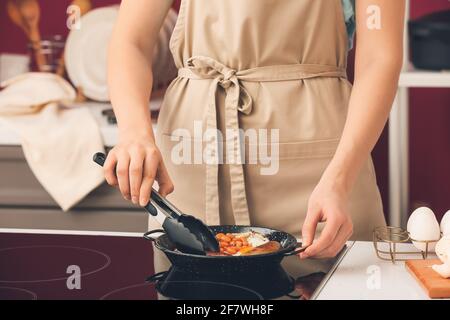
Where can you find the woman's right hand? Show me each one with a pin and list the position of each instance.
(134, 165)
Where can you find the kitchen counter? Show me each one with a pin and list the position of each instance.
(362, 275)
(108, 131)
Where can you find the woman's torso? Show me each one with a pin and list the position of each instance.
(309, 113)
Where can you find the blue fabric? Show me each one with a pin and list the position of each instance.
(350, 20)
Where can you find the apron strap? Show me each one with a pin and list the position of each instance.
(238, 100)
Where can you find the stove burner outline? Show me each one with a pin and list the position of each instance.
(104, 255)
(257, 295)
(33, 295)
(124, 288)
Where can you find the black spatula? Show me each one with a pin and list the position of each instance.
(187, 233)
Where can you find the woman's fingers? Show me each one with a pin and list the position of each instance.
(136, 172)
(345, 232)
(146, 189)
(154, 169)
(134, 169)
(109, 169)
(150, 167)
(326, 238)
(122, 172)
(166, 186)
(310, 225)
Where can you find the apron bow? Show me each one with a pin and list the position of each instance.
(226, 77)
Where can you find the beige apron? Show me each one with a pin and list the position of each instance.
(261, 66)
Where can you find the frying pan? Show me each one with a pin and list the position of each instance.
(228, 264)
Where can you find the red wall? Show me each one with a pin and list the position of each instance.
(430, 110)
(430, 135)
(53, 21)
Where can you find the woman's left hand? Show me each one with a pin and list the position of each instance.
(328, 203)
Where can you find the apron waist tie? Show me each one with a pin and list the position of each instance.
(238, 100)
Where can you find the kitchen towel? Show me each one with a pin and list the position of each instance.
(58, 141)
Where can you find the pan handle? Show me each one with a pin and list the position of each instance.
(297, 250)
(156, 277)
(147, 235)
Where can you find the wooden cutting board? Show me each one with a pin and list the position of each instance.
(433, 283)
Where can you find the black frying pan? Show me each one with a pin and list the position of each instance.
(239, 264)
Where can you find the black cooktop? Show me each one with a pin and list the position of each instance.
(103, 267)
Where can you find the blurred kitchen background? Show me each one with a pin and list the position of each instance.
(412, 158)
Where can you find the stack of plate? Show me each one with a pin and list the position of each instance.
(86, 53)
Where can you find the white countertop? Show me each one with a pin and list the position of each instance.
(361, 275)
(108, 131)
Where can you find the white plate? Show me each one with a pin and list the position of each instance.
(86, 52)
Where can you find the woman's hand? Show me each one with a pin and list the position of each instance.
(133, 165)
(328, 203)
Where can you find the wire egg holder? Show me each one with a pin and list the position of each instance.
(393, 237)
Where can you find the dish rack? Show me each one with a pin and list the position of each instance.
(392, 237)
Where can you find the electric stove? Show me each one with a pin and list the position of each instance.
(120, 268)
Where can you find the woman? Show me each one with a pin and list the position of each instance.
(253, 65)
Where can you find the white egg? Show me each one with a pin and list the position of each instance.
(443, 249)
(423, 226)
(445, 224)
(443, 252)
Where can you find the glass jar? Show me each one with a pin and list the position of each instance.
(47, 54)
